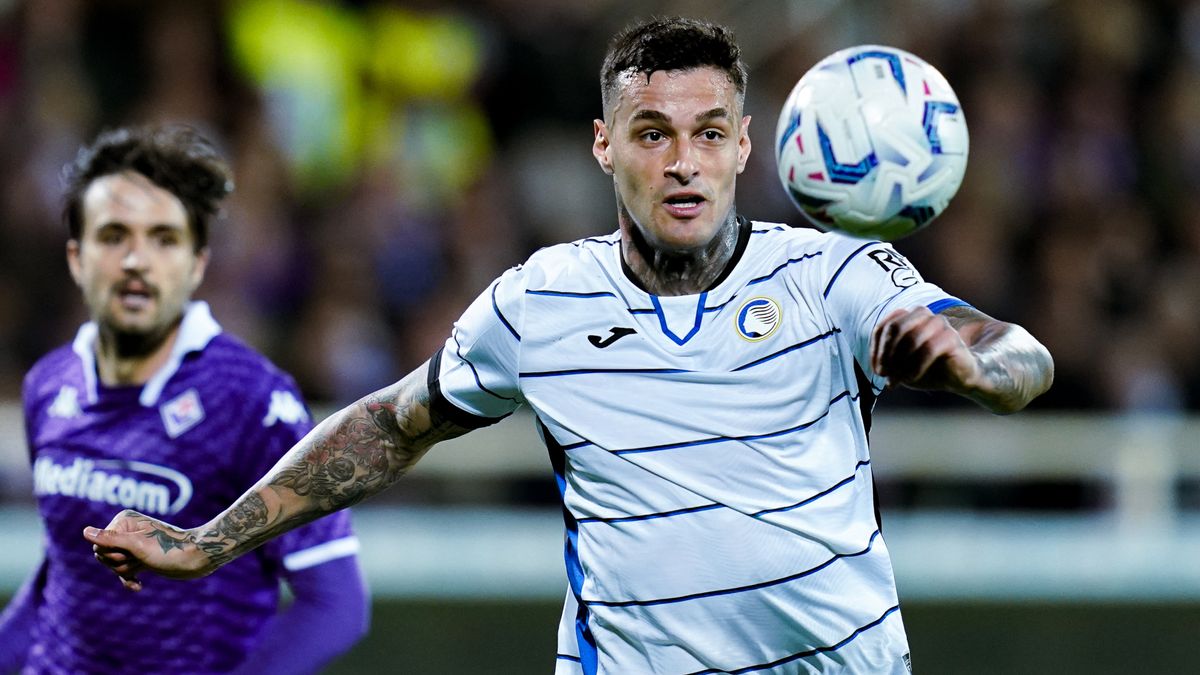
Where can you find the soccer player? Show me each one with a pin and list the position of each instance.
(704, 385)
(154, 407)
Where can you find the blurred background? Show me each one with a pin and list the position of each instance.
(394, 157)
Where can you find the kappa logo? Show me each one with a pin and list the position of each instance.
(758, 318)
(903, 274)
(66, 404)
(182, 413)
(286, 408)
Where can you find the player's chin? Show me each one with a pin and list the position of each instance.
(127, 320)
(132, 328)
(684, 235)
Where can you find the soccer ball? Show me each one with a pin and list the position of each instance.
(872, 142)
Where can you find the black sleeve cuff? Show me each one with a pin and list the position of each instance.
(442, 407)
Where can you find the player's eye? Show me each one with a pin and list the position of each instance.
(713, 135)
(110, 235)
(652, 136)
(166, 238)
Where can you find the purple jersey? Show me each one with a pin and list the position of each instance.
(181, 447)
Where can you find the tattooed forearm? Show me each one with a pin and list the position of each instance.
(356, 453)
(169, 540)
(1016, 368)
(249, 515)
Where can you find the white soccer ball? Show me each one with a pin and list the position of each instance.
(872, 142)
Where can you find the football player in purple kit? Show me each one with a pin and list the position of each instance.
(154, 407)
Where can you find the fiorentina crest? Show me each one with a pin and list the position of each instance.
(182, 413)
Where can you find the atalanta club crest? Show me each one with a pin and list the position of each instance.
(758, 318)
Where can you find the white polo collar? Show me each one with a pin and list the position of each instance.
(197, 329)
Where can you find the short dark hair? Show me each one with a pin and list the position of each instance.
(671, 43)
(176, 158)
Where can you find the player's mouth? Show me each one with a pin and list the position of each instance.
(134, 294)
(684, 204)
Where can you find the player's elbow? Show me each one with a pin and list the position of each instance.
(1031, 377)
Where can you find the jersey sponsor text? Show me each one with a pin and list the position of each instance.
(110, 482)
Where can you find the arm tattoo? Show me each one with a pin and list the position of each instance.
(355, 454)
(1016, 367)
(165, 539)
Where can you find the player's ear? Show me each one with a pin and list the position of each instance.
(200, 268)
(743, 144)
(73, 261)
(601, 146)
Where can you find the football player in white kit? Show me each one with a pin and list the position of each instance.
(704, 385)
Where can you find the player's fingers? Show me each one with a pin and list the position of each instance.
(922, 340)
(112, 557)
(112, 548)
(898, 337)
(103, 538)
(124, 570)
(936, 346)
(906, 324)
(919, 366)
(113, 539)
(882, 338)
(123, 565)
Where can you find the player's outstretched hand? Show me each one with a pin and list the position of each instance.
(919, 349)
(133, 542)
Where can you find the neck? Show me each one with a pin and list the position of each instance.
(661, 272)
(126, 359)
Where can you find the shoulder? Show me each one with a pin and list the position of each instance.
(51, 372)
(825, 254)
(838, 251)
(230, 368)
(247, 383)
(794, 240)
(234, 358)
(807, 238)
(573, 265)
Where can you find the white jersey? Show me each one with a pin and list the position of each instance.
(710, 449)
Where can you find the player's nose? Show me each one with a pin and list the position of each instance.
(683, 166)
(134, 258)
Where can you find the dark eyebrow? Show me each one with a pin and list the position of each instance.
(656, 116)
(158, 227)
(650, 115)
(153, 229)
(712, 114)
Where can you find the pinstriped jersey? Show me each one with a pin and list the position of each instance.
(710, 449)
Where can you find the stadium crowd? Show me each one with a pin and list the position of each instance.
(395, 157)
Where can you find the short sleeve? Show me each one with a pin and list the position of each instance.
(868, 280)
(475, 376)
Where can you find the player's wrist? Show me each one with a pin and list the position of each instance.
(187, 555)
(198, 558)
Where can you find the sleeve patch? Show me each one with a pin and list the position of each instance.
(902, 272)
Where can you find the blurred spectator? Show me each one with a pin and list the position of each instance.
(393, 157)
